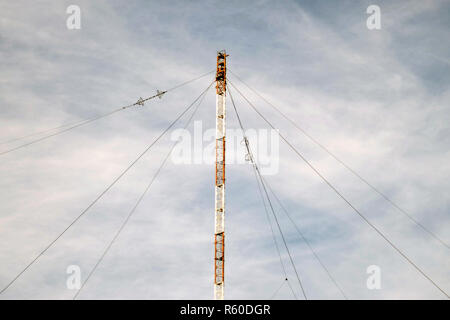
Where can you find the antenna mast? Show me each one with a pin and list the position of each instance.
(219, 231)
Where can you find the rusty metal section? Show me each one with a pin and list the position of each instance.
(221, 79)
(219, 257)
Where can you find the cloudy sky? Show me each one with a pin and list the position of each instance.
(378, 99)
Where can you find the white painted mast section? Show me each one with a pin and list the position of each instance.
(219, 231)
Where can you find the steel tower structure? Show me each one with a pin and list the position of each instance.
(219, 230)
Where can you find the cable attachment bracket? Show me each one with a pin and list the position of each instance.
(248, 155)
(159, 94)
(140, 102)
